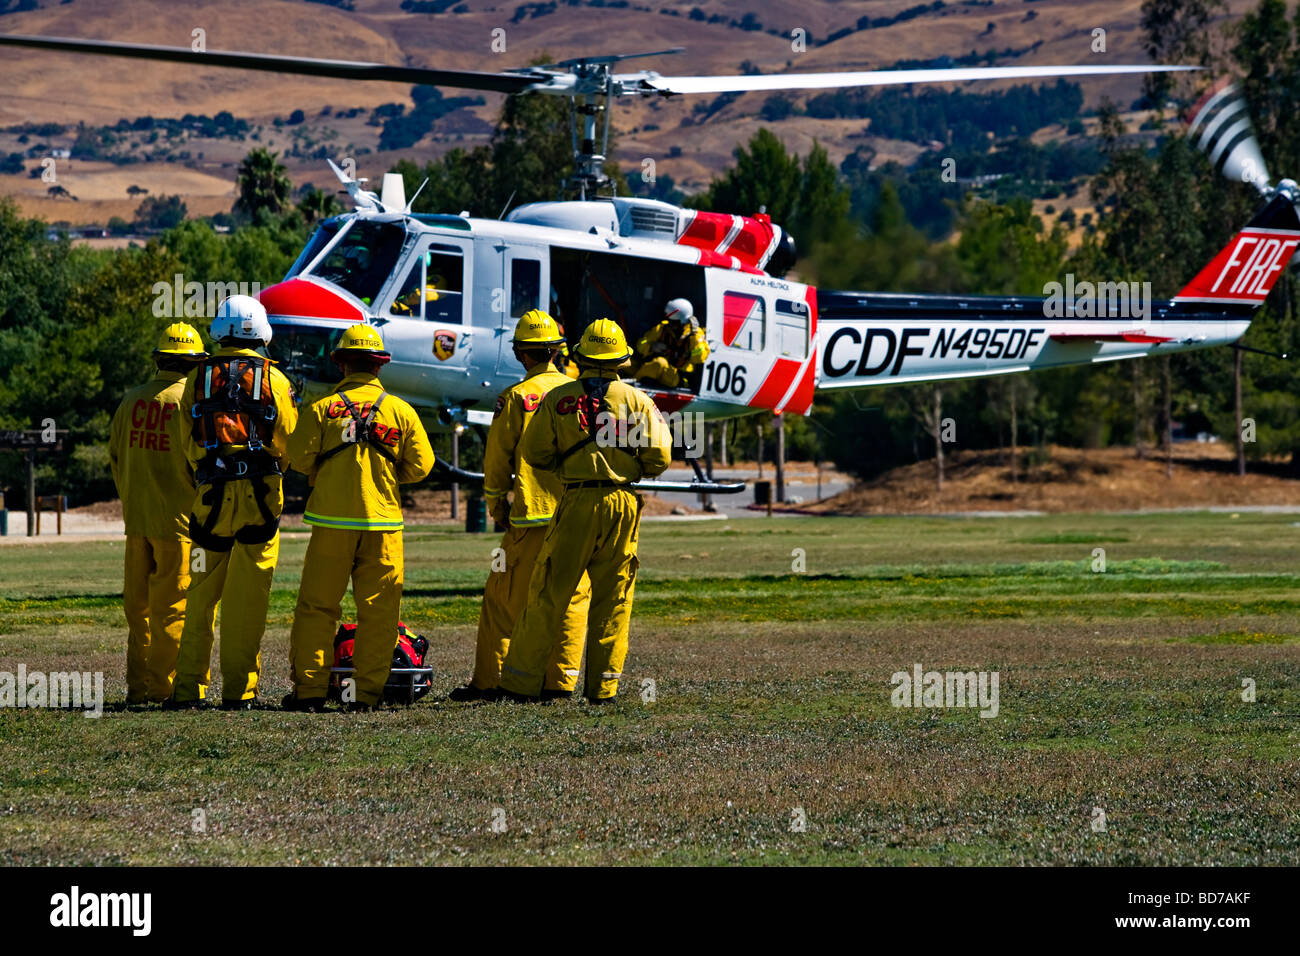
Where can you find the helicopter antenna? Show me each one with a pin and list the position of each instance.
(407, 211)
(507, 205)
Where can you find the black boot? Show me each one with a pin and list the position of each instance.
(552, 695)
(312, 705)
(469, 694)
(171, 703)
(510, 697)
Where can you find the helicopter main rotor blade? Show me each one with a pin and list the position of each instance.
(302, 66)
(618, 57)
(653, 83)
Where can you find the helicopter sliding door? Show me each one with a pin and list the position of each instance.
(631, 290)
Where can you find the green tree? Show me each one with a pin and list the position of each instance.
(263, 184)
(1178, 32)
(765, 177)
(160, 212)
(804, 197)
(891, 256)
(1004, 249)
(822, 212)
(317, 204)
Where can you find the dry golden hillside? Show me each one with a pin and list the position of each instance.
(71, 89)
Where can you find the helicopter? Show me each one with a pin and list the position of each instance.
(447, 289)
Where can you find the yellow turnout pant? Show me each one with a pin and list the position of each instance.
(240, 580)
(156, 572)
(594, 531)
(504, 598)
(373, 560)
(659, 370)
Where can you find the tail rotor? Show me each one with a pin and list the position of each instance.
(1220, 125)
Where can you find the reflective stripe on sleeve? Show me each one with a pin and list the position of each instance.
(531, 522)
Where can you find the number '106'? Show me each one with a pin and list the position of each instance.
(721, 377)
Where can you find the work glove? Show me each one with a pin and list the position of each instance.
(500, 510)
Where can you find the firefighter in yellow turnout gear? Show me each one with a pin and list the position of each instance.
(596, 435)
(524, 500)
(147, 452)
(241, 411)
(356, 447)
(671, 350)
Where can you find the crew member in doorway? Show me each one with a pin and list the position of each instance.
(672, 350)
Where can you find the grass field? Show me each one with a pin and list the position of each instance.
(1120, 690)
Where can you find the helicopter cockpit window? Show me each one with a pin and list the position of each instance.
(525, 286)
(433, 288)
(318, 241)
(363, 258)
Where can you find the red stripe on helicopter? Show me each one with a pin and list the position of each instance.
(799, 399)
(749, 239)
(753, 241)
(301, 297)
(720, 261)
(1245, 269)
(776, 384)
(1138, 337)
(803, 392)
(668, 402)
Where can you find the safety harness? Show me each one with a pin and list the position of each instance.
(360, 433)
(234, 406)
(594, 392)
(677, 343)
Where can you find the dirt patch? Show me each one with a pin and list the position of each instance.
(1057, 479)
(103, 510)
(655, 507)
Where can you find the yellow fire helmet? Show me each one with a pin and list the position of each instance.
(536, 329)
(603, 344)
(361, 340)
(179, 340)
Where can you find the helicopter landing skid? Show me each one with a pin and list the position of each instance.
(700, 485)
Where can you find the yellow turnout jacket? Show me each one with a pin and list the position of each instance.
(355, 482)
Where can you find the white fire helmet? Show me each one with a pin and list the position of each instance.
(241, 317)
(679, 310)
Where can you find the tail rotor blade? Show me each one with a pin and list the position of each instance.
(1220, 125)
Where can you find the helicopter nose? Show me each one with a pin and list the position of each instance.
(310, 299)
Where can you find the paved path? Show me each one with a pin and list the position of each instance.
(800, 487)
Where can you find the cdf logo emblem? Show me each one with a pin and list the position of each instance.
(444, 344)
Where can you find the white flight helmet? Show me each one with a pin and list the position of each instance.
(241, 317)
(679, 310)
